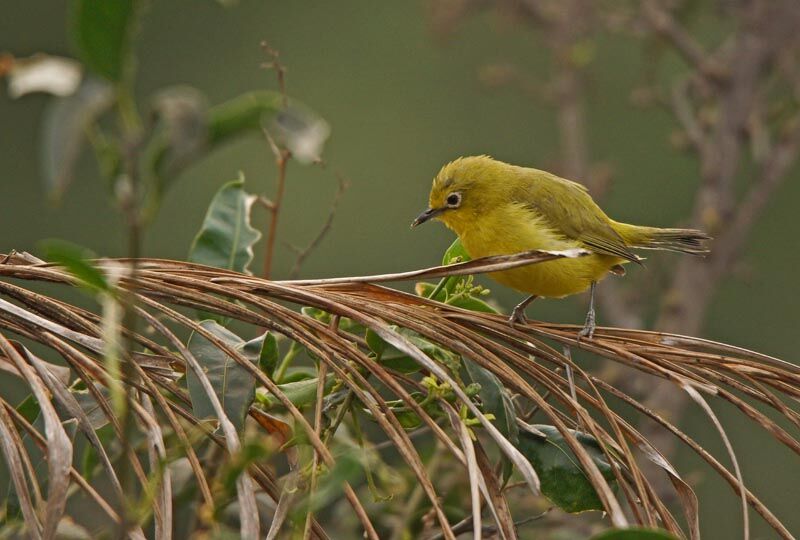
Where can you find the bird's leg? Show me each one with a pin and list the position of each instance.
(589, 325)
(518, 315)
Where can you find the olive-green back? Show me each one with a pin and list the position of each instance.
(568, 208)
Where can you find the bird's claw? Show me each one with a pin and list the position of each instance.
(517, 317)
(588, 327)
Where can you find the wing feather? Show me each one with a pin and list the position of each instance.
(569, 209)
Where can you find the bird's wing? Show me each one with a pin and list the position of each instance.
(569, 208)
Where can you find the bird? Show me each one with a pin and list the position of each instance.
(497, 208)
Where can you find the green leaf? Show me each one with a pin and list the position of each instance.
(455, 253)
(232, 383)
(64, 127)
(495, 399)
(634, 533)
(101, 30)
(330, 486)
(74, 259)
(242, 114)
(29, 408)
(471, 303)
(375, 342)
(268, 359)
(564, 481)
(402, 363)
(397, 360)
(300, 393)
(226, 238)
(425, 290)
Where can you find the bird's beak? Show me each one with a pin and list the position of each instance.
(425, 216)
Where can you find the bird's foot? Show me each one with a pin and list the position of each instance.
(588, 326)
(517, 317)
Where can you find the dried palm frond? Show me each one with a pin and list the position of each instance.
(531, 361)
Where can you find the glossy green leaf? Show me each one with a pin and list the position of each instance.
(226, 238)
(101, 31)
(634, 534)
(268, 359)
(563, 480)
(232, 383)
(75, 260)
(64, 126)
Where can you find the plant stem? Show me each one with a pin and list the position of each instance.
(281, 160)
(129, 198)
(286, 361)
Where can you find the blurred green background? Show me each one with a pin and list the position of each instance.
(401, 102)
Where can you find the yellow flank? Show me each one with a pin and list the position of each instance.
(513, 229)
(496, 208)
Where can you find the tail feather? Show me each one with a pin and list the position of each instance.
(689, 241)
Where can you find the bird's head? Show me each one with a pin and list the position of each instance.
(462, 191)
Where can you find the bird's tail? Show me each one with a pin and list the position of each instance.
(683, 240)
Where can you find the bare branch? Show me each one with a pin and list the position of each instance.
(667, 27)
(302, 254)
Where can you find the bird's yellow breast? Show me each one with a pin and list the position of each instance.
(514, 228)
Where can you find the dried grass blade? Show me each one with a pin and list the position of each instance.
(40, 441)
(90, 343)
(472, 470)
(248, 510)
(288, 494)
(157, 454)
(494, 494)
(16, 469)
(685, 492)
(695, 395)
(475, 266)
(505, 445)
(71, 405)
(263, 379)
(59, 445)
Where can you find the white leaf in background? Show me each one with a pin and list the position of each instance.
(43, 73)
(302, 132)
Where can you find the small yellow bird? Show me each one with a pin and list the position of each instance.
(498, 209)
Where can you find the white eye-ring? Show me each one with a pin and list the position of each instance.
(454, 199)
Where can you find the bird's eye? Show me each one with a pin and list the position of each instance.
(454, 199)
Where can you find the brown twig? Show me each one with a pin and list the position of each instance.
(282, 157)
(276, 64)
(303, 253)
